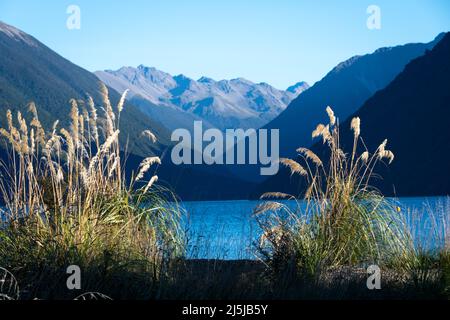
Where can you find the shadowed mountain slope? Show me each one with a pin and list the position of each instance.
(412, 112)
(345, 88)
(30, 71)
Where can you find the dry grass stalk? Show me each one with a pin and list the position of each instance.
(293, 166)
(149, 135)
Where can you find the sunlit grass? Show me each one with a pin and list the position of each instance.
(345, 222)
(68, 202)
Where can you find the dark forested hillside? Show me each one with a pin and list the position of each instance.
(346, 88)
(413, 113)
(30, 71)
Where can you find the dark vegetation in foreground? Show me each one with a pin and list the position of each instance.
(242, 280)
(246, 279)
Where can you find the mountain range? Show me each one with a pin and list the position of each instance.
(345, 89)
(412, 112)
(30, 71)
(401, 93)
(236, 103)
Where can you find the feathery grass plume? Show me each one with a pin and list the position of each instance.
(40, 132)
(310, 155)
(104, 149)
(85, 114)
(35, 123)
(93, 121)
(150, 183)
(341, 221)
(110, 116)
(70, 144)
(293, 166)
(32, 142)
(122, 101)
(382, 146)
(81, 136)
(365, 156)
(15, 134)
(50, 145)
(9, 119)
(331, 116)
(22, 124)
(9, 137)
(92, 108)
(105, 96)
(74, 115)
(386, 154)
(267, 206)
(150, 135)
(23, 140)
(277, 195)
(145, 166)
(318, 131)
(5, 133)
(355, 125)
(322, 131)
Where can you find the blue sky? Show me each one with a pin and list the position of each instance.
(279, 42)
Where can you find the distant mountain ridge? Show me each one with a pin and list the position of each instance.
(30, 71)
(412, 112)
(345, 88)
(236, 103)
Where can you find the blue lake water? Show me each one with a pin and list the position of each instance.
(227, 230)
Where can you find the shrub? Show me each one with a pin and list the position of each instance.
(339, 220)
(68, 202)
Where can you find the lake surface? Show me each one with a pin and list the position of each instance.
(227, 230)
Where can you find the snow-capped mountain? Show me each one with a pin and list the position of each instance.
(222, 104)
